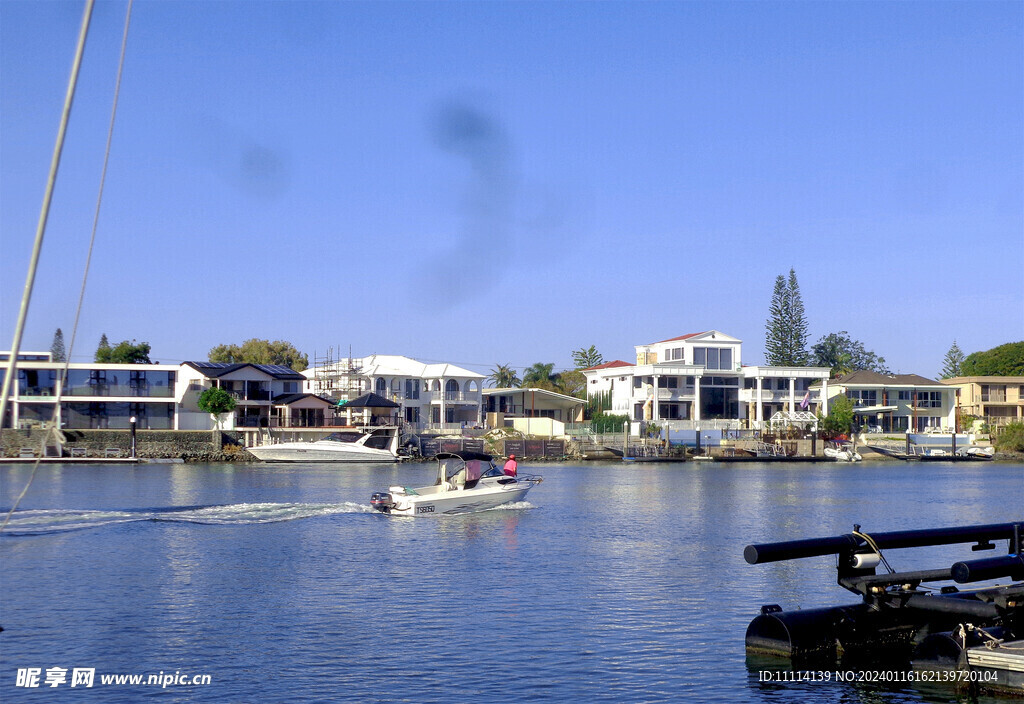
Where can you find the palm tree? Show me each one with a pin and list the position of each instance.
(540, 375)
(504, 377)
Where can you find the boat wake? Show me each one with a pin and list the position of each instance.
(49, 521)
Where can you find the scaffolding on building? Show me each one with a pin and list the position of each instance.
(339, 379)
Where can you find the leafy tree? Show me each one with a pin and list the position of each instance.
(786, 328)
(57, 351)
(103, 350)
(951, 362)
(843, 355)
(540, 376)
(839, 419)
(504, 377)
(216, 401)
(586, 358)
(124, 353)
(571, 383)
(257, 351)
(1005, 360)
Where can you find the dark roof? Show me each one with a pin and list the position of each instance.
(868, 377)
(371, 400)
(285, 399)
(215, 370)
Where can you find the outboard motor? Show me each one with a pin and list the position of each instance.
(381, 501)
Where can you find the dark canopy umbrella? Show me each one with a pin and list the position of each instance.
(370, 400)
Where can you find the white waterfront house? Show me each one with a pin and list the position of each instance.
(698, 379)
(435, 395)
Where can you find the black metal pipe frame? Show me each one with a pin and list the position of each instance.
(849, 543)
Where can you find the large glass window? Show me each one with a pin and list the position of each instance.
(863, 397)
(37, 382)
(412, 388)
(713, 357)
(451, 390)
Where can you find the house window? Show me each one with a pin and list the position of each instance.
(993, 393)
(412, 388)
(380, 387)
(713, 357)
(291, 387)
(864, 397)
(904, 396)
(451, 390)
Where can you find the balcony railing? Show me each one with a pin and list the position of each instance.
(265, 422)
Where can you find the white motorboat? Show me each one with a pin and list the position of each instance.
(466, 482)
(376, 445)
(843, 453)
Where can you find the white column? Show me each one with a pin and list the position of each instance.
(696, 398)
(654, 403)
(792, 395)
(824, 397)
(759, 413)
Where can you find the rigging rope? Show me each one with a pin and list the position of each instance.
(51, 428)
(874, 546)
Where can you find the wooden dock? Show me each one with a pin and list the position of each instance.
(1000, 668)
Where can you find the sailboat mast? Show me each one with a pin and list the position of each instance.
(44, 214)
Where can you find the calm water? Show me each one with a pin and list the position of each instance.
(613, 583)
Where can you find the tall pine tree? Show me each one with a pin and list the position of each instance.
(57, 351)
(103, 351)
(785, 342)
(951, 362)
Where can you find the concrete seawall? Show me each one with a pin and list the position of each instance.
(187, 445)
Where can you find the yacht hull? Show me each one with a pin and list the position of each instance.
(316, 452)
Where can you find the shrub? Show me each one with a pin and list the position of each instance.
(607, 423)
(1011, 438)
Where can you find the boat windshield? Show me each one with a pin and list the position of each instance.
(343, 437)
(493, 471)
(474, 468)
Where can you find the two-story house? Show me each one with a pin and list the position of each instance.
(897, 402)
(998, 400)
(267, 395)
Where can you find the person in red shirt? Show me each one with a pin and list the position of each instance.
(511, 466)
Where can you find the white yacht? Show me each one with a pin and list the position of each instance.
(466, 482)
(371, 445)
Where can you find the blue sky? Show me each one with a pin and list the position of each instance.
(487, 183)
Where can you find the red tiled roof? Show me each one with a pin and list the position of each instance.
(608, 365)
(681, 337)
